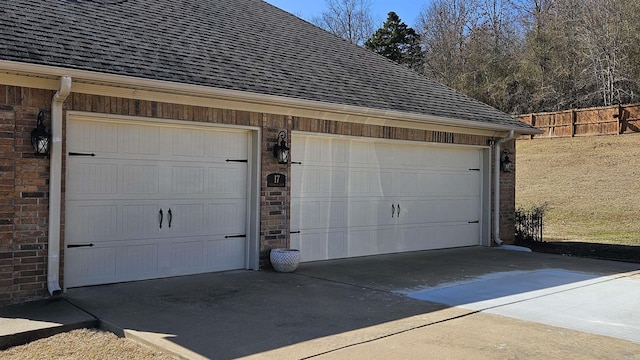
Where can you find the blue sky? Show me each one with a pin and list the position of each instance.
(407, 9)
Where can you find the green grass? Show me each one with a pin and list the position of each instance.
(591, 186)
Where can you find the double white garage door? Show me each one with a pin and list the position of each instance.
(148, 200)
(353, 197)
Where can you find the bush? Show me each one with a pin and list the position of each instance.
(529, 223)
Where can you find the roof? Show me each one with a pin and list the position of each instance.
(245, 45)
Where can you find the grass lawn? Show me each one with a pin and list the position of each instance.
(591, 186)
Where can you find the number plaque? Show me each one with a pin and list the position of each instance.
(276, 180)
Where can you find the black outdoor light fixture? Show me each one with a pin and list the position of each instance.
(505, 162)
(281, 151)
(40, 137)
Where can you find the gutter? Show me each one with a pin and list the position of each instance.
(55, 186)
(496, 188)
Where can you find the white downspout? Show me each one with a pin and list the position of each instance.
(55, 186)
(496, 187)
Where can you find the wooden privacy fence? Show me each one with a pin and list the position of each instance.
(585, 122)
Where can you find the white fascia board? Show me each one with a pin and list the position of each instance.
(94, 83)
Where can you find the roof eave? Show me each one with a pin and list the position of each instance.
(91, 81)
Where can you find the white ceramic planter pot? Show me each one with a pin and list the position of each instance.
(284, 260)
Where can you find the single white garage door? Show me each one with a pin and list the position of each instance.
(353, 197)
(150, 200)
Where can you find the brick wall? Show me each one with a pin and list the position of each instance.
(24, 177)
(24, 187)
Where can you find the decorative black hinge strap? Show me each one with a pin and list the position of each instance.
(71, 246)
(242, 161)
(81, 154)
(235, 236)
(474, 169)
(474, 222)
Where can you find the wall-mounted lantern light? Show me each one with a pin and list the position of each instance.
(505, 163)
(40, 137)
(281, 151)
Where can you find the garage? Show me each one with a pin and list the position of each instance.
(357, 197)
(153, 199)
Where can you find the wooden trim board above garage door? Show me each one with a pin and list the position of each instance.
(356, 197)
(148, 200)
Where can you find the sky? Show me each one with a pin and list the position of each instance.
(408, 10)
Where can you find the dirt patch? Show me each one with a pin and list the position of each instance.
(611, 252)
(83, 344)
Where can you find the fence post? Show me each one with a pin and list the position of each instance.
(533, 123)
(573, 122)
(619, 118)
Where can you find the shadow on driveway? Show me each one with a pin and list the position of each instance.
(235, 314)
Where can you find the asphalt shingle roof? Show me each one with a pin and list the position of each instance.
(245, 45)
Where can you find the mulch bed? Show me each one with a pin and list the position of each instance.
(586, 250)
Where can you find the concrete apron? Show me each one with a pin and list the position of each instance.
(379, 307)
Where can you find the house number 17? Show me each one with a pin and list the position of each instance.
(276, 180)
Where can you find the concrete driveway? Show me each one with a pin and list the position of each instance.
(460, 303)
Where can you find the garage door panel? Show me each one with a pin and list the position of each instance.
(361, 154)
(138, 139)
(224, 254)
(138, 261)
(370, 182)
(459, 184)
(319, 213)
(114, 199)
(94, 178)
(453, 184)
(312, 245)
(457, 235)
(141, 220)
(362, 242)
(319, 152)
(222, 180)
(226, 217)
(140, 179)
(384, 154)
(438, 210)
(186, 219)
(188, 142)
(187, 180)
(94, 222)
(187, 257)
(319, 181)
(320, 245)
(85, 266)
(223, 145)
(362, 212)
(406, 183)
(93, 137)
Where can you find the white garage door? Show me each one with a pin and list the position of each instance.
(148, 200)
(353, 197)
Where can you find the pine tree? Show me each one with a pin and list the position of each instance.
(398, 42)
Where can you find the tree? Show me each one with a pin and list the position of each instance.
(348, 19)
(605, 34)
(472, 46)
(397, 42)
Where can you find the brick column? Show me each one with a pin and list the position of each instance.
(274, 201)
(508, 196)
